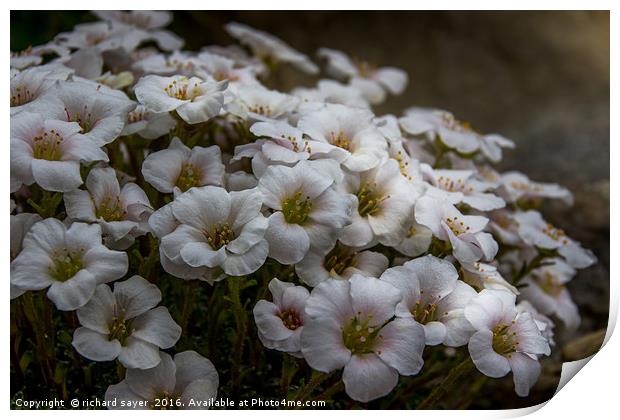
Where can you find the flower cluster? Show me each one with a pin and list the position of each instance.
(391, 234)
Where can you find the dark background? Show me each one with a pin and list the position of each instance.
(539, 78)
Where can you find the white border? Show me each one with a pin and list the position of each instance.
(591, 395)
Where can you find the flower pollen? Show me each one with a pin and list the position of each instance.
(296, 209)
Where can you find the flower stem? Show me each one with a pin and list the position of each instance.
(234, 288)
(446, 386)
(316, 379)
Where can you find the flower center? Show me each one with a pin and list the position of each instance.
(555, 233)
(456, 226)
(21, 95)
(403, 164)
(190, 177)
(549, 284)
(425, 312)
(110, 209)
(340, 258)
(264, 110)
(84, 118)
(136, 116)
(369, 200)
(66, 264)
(296, 209)
(359, 337)
(504, 341)
(225, 75)
(340, 139)
(220, 235)
(448, 184)
(120, 330)
(182, 90)
(291, 319)
(48, 145)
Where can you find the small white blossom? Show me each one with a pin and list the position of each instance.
(384, 202)
(270, 49)
(217, 230)
(350, 324)
(125, 324)
(505, 339)
(546, 290)
(433, 295)
(360, 146)
(372, 82)
(179, 168)
(122, 212)
(464, 233)
(71, 262)
(49, 152)
(307, 211)
(535, 231)
(281, 322)
(516, 186)
(189, 381)
(195, 100)
(147, 124)
(340, 263)
(461, 186)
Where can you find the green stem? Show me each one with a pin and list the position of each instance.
(316, 379)
(234, 288)
(447, 385)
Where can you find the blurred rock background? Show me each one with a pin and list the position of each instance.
(539, 78)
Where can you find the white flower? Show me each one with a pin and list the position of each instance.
(350, 324)
(340, 263)
(535, 231)
(32, 56)
(20, 226)
(461, 186)
(281, 322)
(147, 124)
(433, 295)
(29, 85)
(398, 148)
(417, 239)
(307, 211)
(217, 229)
(190, 381)
(49, 152)
(485, 276)
(122, 213)
(125, 325)
(516, 186)
(373, 82)
(464, 233)
(177, 63)
(100, 36)
(279, 143)
(71, 262)
(179, 168)
(436, 124)
(384, 202)
(194, 99)
(144, 25)
(257, 103)
(359, 145)
(505, 339)
(100, 113)
(545, 325)
(270, 49)
(546, 290)
(223, 68)
(504, 227)
(332, 92)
